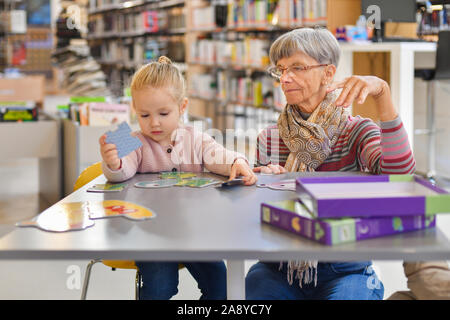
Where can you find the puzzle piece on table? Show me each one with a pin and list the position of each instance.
(234, 182)
(284, 185)
(123, 140)
(156, 184)
(61, 217)
(107, 187)
(197, 182)
(117, 208)
(177, 175)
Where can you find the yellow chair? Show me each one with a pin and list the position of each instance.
(85, 177)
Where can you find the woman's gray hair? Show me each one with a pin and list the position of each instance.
(318, 43)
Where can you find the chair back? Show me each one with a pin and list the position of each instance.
(89, 174)
(442, 56)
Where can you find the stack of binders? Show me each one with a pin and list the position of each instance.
(342, 209)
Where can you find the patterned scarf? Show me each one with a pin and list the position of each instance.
(310, 142)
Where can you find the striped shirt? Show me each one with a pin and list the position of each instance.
(362, 146)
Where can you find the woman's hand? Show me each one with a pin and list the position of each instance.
(240, 167)
(270, 169)
(109, 154)
(358, 88)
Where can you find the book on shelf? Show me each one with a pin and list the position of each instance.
(294, 217)
(135, 23)
(103, 114)
(17, 111)
(93, 111)
(257, 91)
(248, 52)
(276, 13)
(82, 75)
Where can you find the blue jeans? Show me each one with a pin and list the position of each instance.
(335, 281)
(160, 279)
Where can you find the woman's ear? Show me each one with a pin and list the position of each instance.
(330, 71)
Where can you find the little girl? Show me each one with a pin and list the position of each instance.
(158, 95)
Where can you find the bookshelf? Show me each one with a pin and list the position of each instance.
(24, 47)
(433, 19)
(227, 54)
(124, 35)
(222, 45)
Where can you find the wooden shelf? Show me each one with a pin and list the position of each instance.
(236, 67)
(133, 34)
(235, 103)
(251, 28)
(137, 3)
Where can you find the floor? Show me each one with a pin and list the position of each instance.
(63, 280)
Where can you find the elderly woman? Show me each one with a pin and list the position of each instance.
(315, 133)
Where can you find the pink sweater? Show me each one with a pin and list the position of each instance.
(193, 151)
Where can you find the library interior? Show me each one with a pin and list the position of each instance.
(72, 79)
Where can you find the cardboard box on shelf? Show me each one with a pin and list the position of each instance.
(29, 88)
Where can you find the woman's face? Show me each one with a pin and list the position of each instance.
(301, 87)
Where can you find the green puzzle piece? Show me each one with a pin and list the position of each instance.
(197, 182)
(177, 175)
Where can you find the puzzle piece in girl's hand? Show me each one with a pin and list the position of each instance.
(124, 141)
(117, 208)
(177, 175)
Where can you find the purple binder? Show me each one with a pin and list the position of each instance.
(371, 196)
(292, 216)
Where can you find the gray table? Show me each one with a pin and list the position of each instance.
(209, 224)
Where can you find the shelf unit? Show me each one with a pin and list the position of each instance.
(124, 35)
(227, 57)
(238, 34)
(6, 6)
(37, 139)
(26, 48)
(432, 22)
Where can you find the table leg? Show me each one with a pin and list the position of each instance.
(236, 279)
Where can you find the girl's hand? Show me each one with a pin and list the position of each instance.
(109, 154)
(240, 167)
(270, 169)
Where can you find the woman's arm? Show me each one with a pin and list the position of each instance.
(384, 150)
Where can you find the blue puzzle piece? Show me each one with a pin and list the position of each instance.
(124, 141)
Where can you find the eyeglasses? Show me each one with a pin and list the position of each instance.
(277, 72)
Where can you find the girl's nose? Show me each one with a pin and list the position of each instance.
(154, 121)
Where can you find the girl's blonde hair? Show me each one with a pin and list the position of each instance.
(160, 74)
